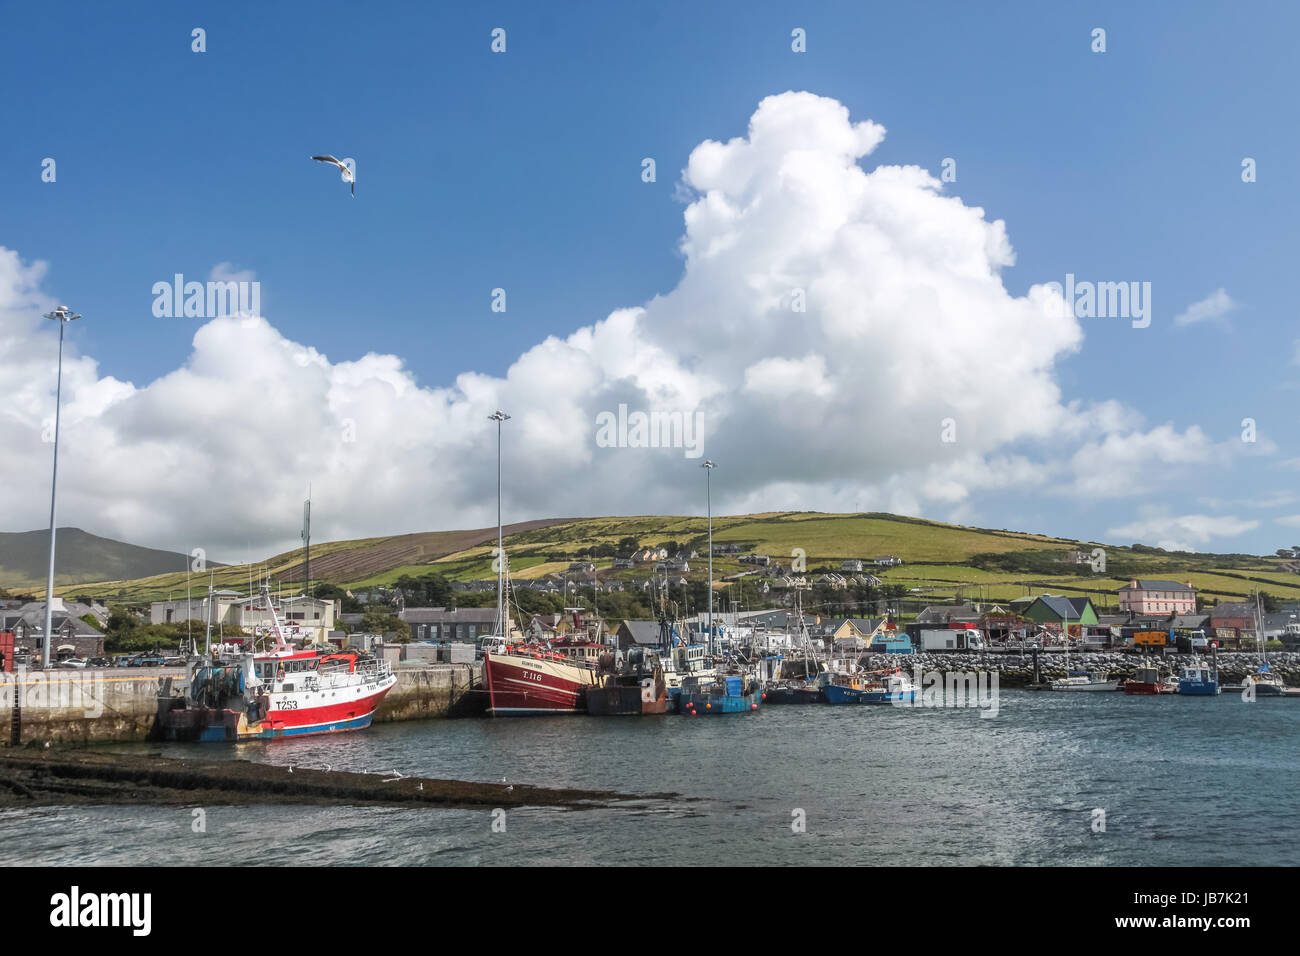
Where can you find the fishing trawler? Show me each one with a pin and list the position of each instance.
(873, 687)
(635, 688)
(1197, 679)
(552, 677)
(732, 694)
(236, 694)
(1147, 681)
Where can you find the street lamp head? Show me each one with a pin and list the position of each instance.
(63, 314)
(499, 416)
(708, 464)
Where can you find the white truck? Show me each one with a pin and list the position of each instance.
(945, 639)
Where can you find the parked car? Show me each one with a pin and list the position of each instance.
(174, 662)
(100, 662)
(149, 660)
(71, 663)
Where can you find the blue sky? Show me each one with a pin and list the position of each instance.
(522, 171)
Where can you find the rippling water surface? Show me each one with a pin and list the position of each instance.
(1183, 781)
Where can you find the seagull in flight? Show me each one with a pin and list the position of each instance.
(343, 167)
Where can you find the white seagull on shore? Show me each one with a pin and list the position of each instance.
(348, 177)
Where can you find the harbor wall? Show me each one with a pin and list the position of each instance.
(435, 690)
(1015, 669)
(64, 706)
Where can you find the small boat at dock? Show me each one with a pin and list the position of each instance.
(732, 694)
(875, 687)
(1084, 681)
(1197, 679)
(636, 688)
(794, 692)
(1147, 681)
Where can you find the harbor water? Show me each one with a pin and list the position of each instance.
(1181, 781)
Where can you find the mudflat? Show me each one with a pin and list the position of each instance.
(31, 778)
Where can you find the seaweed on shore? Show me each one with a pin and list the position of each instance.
(51, 778)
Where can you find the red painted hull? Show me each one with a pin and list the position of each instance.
(340, 713)
(522, 685)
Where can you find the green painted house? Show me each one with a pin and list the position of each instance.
(1056, 609)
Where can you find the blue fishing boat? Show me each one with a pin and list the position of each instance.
(728, 695)
(1198, 680)
(879, 687)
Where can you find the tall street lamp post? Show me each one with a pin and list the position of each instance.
(499, 417)
(63, 317)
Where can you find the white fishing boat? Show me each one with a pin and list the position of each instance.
(1090, 680)
(1077, 681)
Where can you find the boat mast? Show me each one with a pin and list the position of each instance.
(1259, 633)
(207, 630)
(1066, 622)
(708, 467)
(502, 630)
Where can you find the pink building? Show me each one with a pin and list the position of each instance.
(1157, 597)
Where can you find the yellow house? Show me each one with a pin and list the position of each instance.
(864, 628)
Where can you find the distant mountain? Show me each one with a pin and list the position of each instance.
(80, 557)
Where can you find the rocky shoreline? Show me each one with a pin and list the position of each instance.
(1017, 670)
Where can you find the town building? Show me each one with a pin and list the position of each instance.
(946, 615)
(1147, 596)
(861, 629)
(311, 617)
(443, 625)
(73, 637)
(643, 634)
(1059, 610)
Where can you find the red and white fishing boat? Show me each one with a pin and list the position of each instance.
(235, 694)
(541, 678)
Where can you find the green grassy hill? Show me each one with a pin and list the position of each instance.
(943, 562)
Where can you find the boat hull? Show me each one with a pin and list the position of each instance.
(794, 695)
(852, 695)
(520, 686)
(224, 725)
(694, 703)
(1133, 688)
(625, 701)
(1198, 688)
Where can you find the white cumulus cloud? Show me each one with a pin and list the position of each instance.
(1173, 533)
(1217, 305)
(904, 314)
